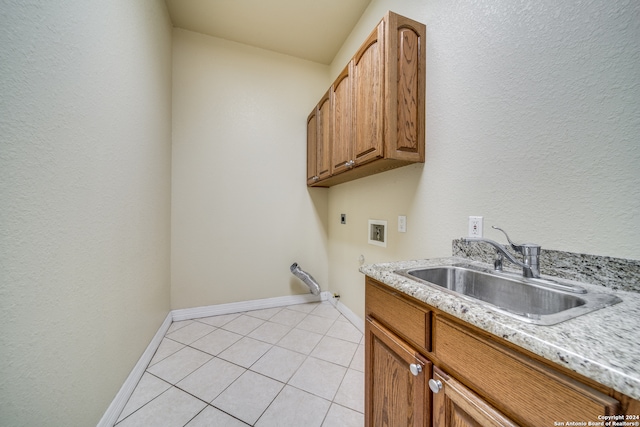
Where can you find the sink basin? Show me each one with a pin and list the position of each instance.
(538, 301)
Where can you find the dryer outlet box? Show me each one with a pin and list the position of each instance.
(377, 233)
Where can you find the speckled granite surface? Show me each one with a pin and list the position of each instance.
(615, 273)
(603, 345)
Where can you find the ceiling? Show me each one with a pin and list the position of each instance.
(308, 29)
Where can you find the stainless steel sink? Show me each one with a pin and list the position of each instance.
(538, 301)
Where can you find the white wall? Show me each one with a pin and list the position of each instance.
(85, 163)
(241, 212)
(533, 121)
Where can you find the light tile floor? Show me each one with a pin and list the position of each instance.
(301, 365)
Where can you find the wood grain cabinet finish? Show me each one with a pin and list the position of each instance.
(531, 393)
(323, 162)
(342, 121)
(318, 137)
(484, 380)
(396, 391)
(368, 115)
(312, 147)
(411, 322)
(457, 406)
(378, 105)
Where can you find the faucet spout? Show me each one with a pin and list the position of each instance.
(530, 252)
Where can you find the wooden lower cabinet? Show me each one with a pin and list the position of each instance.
(396, 381)
(454, 405)
(531, 393)
(477, 379)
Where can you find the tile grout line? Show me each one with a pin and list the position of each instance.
(272, 345)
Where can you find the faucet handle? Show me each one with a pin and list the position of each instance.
(526, 249)
(517, 248)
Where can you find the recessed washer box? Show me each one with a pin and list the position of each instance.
(377, 232)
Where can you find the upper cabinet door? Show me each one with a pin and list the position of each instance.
(312, 137)
(406, 98)
(341, 153)
(323, 152)
(368, 83)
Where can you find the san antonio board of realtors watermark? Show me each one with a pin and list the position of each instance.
(605, 421)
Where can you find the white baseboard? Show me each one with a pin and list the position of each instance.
(237, 307)
(122, 397)
(346, 312)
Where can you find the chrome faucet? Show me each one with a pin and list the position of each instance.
(529, 251)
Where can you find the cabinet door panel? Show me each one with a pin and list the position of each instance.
(408, 49)
(323, 152)
(393, 395)
(456, 406)
(342, 122)
(312, 148)
(406, 98)
(368, 81)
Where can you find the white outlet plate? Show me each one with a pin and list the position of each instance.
(402, 223)
(475, 226)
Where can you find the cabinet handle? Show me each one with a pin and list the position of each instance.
(415, 368)
(435, 385)
(316, 178)
(349, 163)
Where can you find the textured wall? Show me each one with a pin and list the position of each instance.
(533, 121)
(85, 202)
(241, 213)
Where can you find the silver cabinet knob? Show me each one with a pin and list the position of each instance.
(316, 178)
(415, 368)
(435, 385)
(349, 164)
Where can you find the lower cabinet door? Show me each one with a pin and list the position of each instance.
(396, 380)
(456, 405)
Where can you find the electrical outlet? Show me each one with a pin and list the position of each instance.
(475, 226)
(402, 223)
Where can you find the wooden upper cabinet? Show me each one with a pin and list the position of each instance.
(378, 104)
(368, 114)
(323, 149)
(342, 132)
(312, 144)
(318, 141)
(406, 141)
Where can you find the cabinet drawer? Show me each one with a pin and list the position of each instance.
(405, 319)
(525, 390)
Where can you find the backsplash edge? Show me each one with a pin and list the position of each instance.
(614, 273)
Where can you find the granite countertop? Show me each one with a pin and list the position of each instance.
(603, 345)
